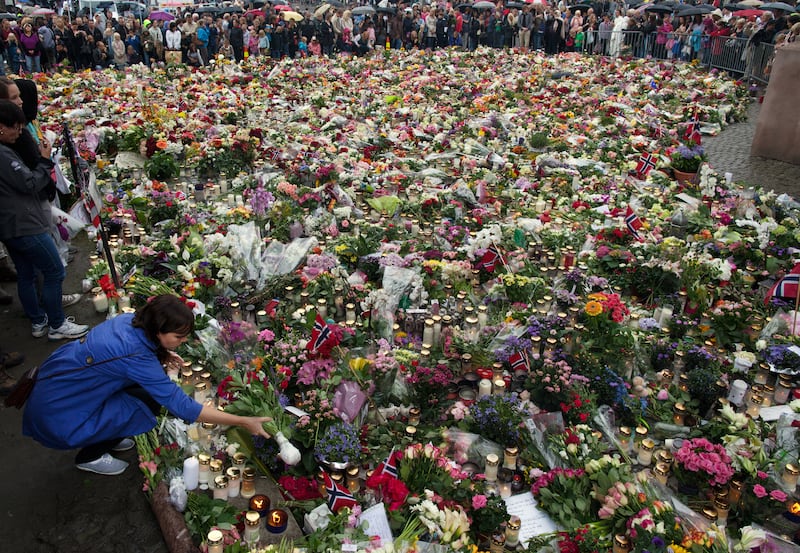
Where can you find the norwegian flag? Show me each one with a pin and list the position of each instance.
(645, 164)
(786, 287)
(633, 222)
(320, 334)
(388, 465)
(490, 259)
(692, 133)
(519, 362)
(338, 497)
(271, 307)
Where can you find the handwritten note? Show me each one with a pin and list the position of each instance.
(533, 521)
(378, 523)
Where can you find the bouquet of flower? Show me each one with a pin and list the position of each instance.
(488, 513)
(565, 494)
(700, 463)
(688, 158)
(577, 445)
(761, 500)
(444, 525)
(427, 468)
(253, 396)
(499, 417)
(339, 443)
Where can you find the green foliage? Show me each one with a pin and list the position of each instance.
(162, 166)
(203, 513)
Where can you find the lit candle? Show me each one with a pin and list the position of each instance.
(492, 462)
(191, 473)
(499, 387)
(790, 475)
(248, 487)
(661, 472)
(123, 301)
(645, 455)
(427, 334)
(260, 503)
(204, 461)
(484, 388)
(100, 302)
(252, 521)
(214, 540)
(277, 520)
(512, 531)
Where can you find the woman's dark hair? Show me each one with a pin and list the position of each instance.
(161, 315)
(30, 98)
(5, 83)
(11, 114)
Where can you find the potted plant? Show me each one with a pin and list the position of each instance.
(686, 161)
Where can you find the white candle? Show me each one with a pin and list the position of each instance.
(427, 334)
(484, 388)
(191, 473)
(100, 302)
(666, 315)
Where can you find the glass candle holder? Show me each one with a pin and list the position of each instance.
(512, 531)
(203, 474)
(214, 541)
(252, 531)
(234, 481)
(621, 544)
(260, 503)
(789, 476)
(277, 521)
(645, 455)
(492, 463)
(221, 488)
(248, 486)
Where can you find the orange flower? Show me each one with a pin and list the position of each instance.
(161, 144)
(593, 308)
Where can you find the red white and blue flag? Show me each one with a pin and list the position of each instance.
(388, 465)
(339, 497)
(320, 334)
(271, 307)
(786, 287)
(692, 133)
(490, 259)
(633, 222)
(645, 164)
(519, 362)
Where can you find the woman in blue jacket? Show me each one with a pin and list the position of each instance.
(93, 393)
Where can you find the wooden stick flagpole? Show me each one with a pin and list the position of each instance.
(796, 306)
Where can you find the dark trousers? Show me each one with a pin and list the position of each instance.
(95, 451)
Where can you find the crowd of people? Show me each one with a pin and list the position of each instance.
(100, 40)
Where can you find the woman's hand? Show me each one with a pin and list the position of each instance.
(45, 148)
(174, 362)
(255, 426)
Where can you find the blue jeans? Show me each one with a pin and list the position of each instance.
(32, 253)
(33, 64)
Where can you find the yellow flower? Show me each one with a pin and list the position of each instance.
(593, 308)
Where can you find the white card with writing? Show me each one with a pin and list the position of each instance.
(378, 523)
(533, 521)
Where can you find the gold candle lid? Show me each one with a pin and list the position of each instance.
(252, 518)
(794, 470)
(221, 482)
(492, 460)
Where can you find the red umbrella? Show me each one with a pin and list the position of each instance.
(282, 7)
(42, 11)
(256, 13)
(749, 13)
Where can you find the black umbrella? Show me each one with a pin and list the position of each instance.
(231, 9)
(697, 10)
(208, 9)
(781, 6)
(335, 3)
(4, 15)
(386, 9)
(582, 7)
(464, 6)
(515, 5)
(658, 8)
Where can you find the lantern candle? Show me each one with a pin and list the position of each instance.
(221, 488)
(252, 521)
(790, 475)
(492, 463)
(214, 540)
(100, 302)
(234, 481)
(512, 531)
(277, 520)
(260, 503)
(248, 487)
(203, 472)
(484, 388)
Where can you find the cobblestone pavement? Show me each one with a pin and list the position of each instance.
(730, 152)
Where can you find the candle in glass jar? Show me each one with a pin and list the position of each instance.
(252, 533)
(260, 503)
(512, 531)
(645, 455)
(248, 487)
(723, 509)
(100, 301)
(492, 463)
(679, 414)
(234, 481)
(790, 475)
(661, 472)
(214, 541)
(499, 387)
(123, 301)
(510, 458)
(484, 388)
(200, 392)
(277, 520)
(203, 474)
(625, 438)
(221, 488)
(427, 333)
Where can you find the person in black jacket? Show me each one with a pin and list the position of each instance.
(236, 38)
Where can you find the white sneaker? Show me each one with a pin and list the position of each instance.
(70, 299)
(68, 330)
(107, 465)
(125, 444)
(39, 330)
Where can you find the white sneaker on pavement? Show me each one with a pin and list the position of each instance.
(107, 465)
(39, 330)
(68, 330)
(70, 299)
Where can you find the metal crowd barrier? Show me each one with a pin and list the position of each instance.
(730, 54)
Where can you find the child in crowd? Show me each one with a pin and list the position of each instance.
(314, 47)
(263, 43)
(12, 52)
(302, 48)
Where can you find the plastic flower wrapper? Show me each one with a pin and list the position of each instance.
(177, 493)
(257, 398)
(349, 400)
(466, 447)
(280, 259)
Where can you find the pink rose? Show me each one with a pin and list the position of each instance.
(478, 501)
(760, 491)
(778, 495)
(662, 395)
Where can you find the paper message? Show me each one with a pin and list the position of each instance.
(378, 523)
(533, 521)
